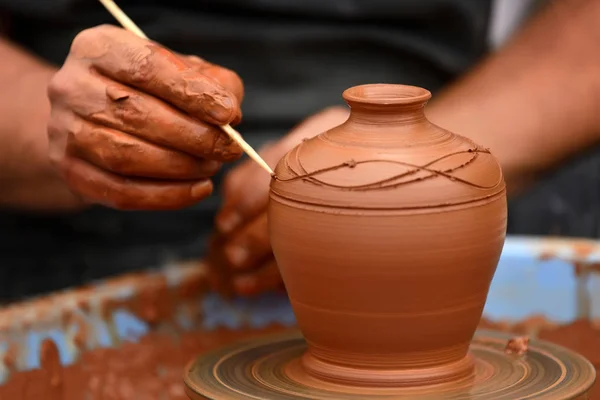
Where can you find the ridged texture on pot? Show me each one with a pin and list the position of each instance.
(387, 231)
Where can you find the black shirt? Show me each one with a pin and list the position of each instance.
(295, 57)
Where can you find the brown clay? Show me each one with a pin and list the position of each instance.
(581, 336)
(517, 345)
(149, 369)
(129, 371)
(387, 230)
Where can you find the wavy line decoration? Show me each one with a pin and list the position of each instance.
(390, 183)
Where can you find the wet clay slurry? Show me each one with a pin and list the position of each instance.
(150, 368)
(581, 336)
(387, 230)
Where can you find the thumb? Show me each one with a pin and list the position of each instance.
(245, 192)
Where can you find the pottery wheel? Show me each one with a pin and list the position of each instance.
(269, 368)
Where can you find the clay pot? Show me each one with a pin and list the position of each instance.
(387, 230)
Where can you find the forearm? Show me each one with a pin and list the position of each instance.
(27, 180)
(535, 102)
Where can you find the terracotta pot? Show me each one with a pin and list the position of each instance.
(387, 230)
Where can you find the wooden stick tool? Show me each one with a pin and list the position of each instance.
(128, 24)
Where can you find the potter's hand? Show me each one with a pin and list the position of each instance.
(133, 125)
(240, 254)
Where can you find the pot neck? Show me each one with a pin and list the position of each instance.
(382, 104)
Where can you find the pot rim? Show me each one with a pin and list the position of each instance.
(386, 94)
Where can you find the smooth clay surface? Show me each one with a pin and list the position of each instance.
(387, 231)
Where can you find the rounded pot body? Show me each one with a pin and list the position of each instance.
(387, 231)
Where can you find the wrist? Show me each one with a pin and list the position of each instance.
(29, 113)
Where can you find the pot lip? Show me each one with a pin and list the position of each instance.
(386, 93)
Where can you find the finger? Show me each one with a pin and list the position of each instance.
(246, 194)
(265, 279)
(219, 275)
(246, 169)
(127, 155)
(226, 77)
(231, 81)
(247, 188)
(130, 194)
(249, 246)
(153, 69)
(105, 102)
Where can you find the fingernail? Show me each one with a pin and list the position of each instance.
(222, 110)
(228, 222)
(201, 190)
(236, 255)
(238, 118)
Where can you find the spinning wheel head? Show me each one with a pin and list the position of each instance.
(269, 368)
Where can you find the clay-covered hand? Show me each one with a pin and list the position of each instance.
(134, 125)
(240, 254)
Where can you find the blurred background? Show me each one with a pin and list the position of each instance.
(518, 76)
(295, 60)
